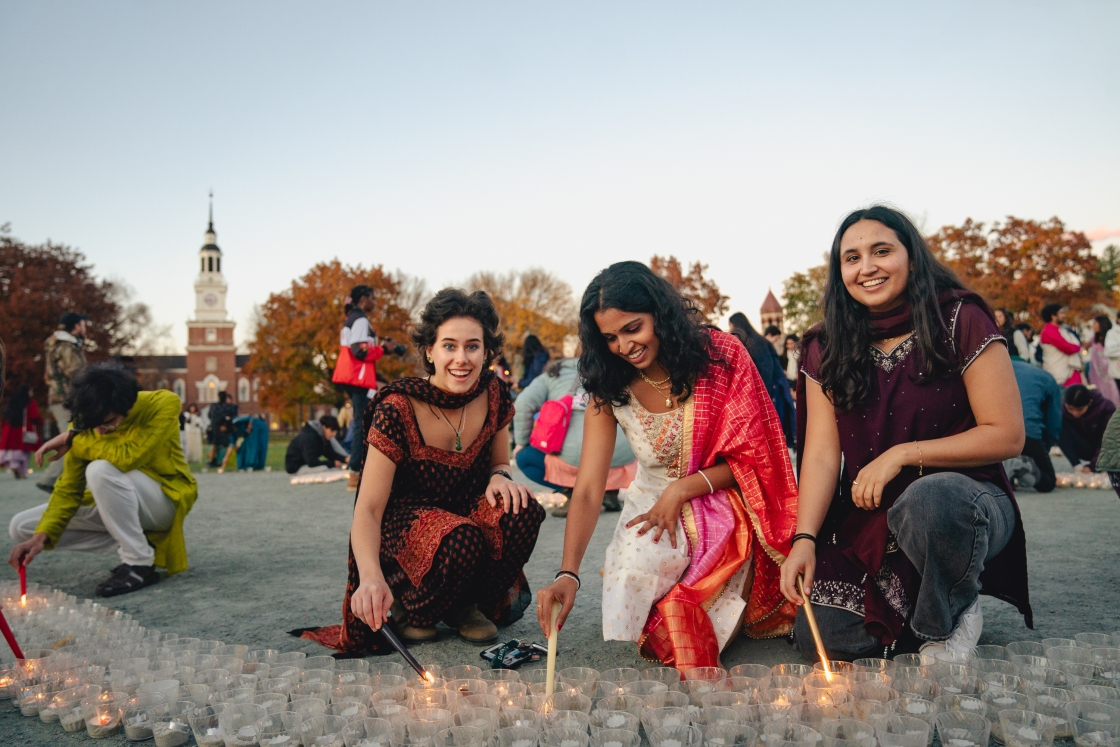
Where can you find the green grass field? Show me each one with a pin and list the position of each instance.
(277, 444)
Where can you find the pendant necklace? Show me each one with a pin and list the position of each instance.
(657, 385)
(459, 430)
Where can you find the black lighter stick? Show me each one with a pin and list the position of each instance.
(408, 657)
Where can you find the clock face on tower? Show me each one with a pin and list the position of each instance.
(210, 299)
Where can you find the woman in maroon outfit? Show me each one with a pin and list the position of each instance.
(907, 384)
(440, 531)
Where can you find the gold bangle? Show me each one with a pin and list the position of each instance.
(920, 458)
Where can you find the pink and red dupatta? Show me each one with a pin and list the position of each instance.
(733, 419)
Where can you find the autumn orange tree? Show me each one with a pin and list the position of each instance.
(803, 293)
(1022, 264)
(529, 301)
(297, 337)
(703, 291)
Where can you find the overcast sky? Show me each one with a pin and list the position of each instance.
(444, 138)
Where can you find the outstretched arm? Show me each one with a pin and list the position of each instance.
(372, 599)
(599, 426)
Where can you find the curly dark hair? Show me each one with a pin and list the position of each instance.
(677, 322)
(846, 368)
(448, 304)
(98, 393)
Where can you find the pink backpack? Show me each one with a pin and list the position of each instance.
(552, 423)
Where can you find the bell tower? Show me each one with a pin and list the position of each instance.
(211, 354)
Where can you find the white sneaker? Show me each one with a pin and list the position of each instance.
(963, 638)
(969, 627)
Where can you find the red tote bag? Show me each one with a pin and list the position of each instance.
(353, 372)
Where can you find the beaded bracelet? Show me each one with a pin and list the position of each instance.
(570, 575)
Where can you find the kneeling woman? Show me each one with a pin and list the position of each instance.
(440, 531)
(709, 515)
(909, 388)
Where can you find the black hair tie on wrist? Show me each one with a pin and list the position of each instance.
(802, 536)
(569, 574)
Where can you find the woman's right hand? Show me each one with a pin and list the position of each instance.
(802, 561)
(371, 602)
(561, 590)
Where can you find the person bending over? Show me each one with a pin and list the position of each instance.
(440, 531)
(124, 483)
(694, 557)
(314, 449)
(1041, 398)
(908, 385)
(1085, 414)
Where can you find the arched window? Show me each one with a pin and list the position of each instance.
(211, 263)
(219, 261)
(202, 264)
(243, 390)
(180, 388)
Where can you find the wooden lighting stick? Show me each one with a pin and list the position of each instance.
(812, 618)
(404, 652)
(550, 671)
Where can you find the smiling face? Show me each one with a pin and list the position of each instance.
(629, 335)
(458, 354)
(874, 264)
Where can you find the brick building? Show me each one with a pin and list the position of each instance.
(211, 364)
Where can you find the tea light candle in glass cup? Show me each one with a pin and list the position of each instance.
(847, 732)
(280, 729)
(615, 738)
(311, 690)
(962, 685)
(872, 664)
(614, 720)
(785, 734)
(997, 701)
(644, 688)
(1025, 648)
(903, 731)
(289, 658)
(1095, 693)
(404, 696)
(754, 671)
(307, 707)
(137, 718)
(669, 676)
(1107, 660)
(483, 700)
(388, 711)
(369, 732)
(870, 711)
(812, 714)
(632, 704)
(1051, 702)
(1026, 728)
(32, 698)
(1093, 724)
(238, 724)
(322, 730)
(819, 687)
(724, 700)
(715, 715)
(8, 682)
(445, 699)
(791, 670)
(102, 714)
(961, 729)
(564, 738)
(566, 702)
(655, 718)
(461, 736)
(169, 722)
(519, 717)
(349, 710)
(271, 702)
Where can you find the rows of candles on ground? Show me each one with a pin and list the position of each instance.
(92, 669)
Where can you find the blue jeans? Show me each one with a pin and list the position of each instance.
(948, 525)
(530, 460)
(359, 398)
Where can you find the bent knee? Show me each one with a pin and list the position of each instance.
(22, 526)
(99, 469)
(928, 501)
(531, 516)
(464, 546)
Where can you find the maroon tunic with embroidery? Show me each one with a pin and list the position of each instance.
(442, 544)
(859, 565)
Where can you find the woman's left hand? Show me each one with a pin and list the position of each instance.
(513, 495)
(872, 480)
(662, 517)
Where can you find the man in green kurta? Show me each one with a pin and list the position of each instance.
(124, 485)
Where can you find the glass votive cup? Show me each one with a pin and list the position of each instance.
(902, 731)
(370, 732)
(909, 660)
(960, 729)
(782, 696)
(102, 714)
(32, 698)
(65, 702)
(787, 734)
(1092, 717)
(990, 652)
(216, 679)
(481, 700)
(1107, 660)
(406, 696)
(916, 708)
(1059, 643)
(1095, 693)
(714, 715)
(233, 696)
(645, 688)
(615, 738)
(318, 674)
(1025, 648)
(873, 664)
(568, 720)
(440, 716)
(620, 675)
(670, 699)
(847, 732)
(655, 718)
(578, 679)
(289, 658)
(265, 655)
(307, 707)
(169, 723)
(516, 736)
(995, 666)
(747, 685)
(347, 677)
(257, 668)
(791, 670)
(1050, 702)
(485, 719)
(669, 676)
(768, 713)
(724, 700)
(501, 675)
(463, 736)
(1002, 701)
(754, 671)
(564, 738)
(729, 735)
(522, 717)
(812, 714)
(696, 690)
(311, 690)
(445, 699)
(278, 685)
(204, 727)
(388, 711)
(1026, 728)
(349, 710)
(869, 711)
(468, 686)
(359, 693)
(461, 672)
(873, 691)
(716, 675)
(1073, 654)
(864, 677)
(962, 684)
(325, 731)
(566, 702)
(238, 724)
(280, 729)
(630, 703)
(837, 667)
(318, 662)
(676, 736)
(271, 702)
(137, 719)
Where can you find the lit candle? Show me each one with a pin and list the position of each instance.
(23, 584)
(616, 721)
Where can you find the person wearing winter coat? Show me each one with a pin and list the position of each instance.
(1084, 417)
(19, 435)
(64, 355)
(1061, 348)
(315, 448)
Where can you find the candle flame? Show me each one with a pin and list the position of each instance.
(429, 677)
(23, 599)
(827, 671)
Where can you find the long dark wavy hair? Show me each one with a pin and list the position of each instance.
(846, 367)
(677, 322)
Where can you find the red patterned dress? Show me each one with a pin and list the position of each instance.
(442, 544)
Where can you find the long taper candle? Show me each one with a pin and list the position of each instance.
(812, 618)
(550, 670)
(22, 583)
(11, 639)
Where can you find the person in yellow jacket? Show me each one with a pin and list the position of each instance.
(124, 484)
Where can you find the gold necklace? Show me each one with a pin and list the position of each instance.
(459, 430)
(657, 386)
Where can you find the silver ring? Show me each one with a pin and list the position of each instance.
(854, 482)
